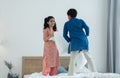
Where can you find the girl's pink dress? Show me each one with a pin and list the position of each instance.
(51, 55)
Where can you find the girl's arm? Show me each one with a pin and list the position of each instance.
(46, 37)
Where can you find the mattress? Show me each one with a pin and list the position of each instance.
(81, 75)
(26, 76)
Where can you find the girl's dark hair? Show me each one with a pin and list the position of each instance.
(47, 19)
(72, 12)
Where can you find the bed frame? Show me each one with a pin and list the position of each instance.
(31, 64)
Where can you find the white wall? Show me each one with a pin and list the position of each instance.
(21, 24)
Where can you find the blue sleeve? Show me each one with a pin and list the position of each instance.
(65, 33)
(86, 28)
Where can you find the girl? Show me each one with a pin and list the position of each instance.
(51, 55)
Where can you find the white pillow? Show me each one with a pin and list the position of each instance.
(61, 43)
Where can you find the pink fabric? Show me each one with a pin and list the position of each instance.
(53, 71)
(46, 70)
(49, 70)
(51, 55)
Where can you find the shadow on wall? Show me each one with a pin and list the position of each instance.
(3, 50)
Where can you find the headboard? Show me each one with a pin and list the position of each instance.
(31, 64)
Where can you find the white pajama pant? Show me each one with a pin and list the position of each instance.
(79, 61)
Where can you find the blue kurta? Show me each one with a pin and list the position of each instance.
(75, 32)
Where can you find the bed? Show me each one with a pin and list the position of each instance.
(31, 64)
(32, 67)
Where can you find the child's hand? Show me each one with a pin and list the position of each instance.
(51, 34)
(52, 38)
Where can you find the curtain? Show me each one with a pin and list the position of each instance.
(113, 37)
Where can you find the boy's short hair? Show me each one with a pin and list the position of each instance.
(72, 12)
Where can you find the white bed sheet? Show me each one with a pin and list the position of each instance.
(81, 75)
(26, 76)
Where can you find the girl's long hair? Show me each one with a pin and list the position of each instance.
(47, 19)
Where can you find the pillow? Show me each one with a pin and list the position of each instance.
(61, 69)
(61, 43)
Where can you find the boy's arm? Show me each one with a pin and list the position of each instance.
(86, 28)
(65, 32)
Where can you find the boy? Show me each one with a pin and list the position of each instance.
(77, 39)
